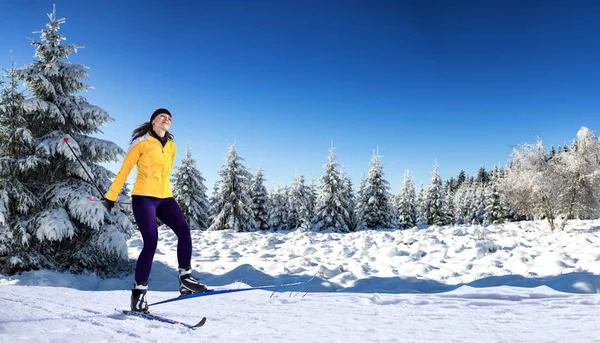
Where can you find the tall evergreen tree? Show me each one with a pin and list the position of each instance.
(233, 209)
(374, 204)
(421, 206)
(331, 210)
(450, 206)
(406, 203)
(478, 204)
(494, 211)
(460, 179)
(259, 198)
(190, 192)
(482, 175)
(279, 209)
(347, 194)
(435, 202)
(302, 199)
(45, 188)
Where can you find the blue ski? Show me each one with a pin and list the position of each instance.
(150, 316)
(223, 291)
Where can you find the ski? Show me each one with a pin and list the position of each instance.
(223, 291)
(151, 316)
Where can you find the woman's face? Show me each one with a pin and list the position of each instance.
(162, 121)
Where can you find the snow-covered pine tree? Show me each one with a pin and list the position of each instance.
(434, 200)
(233, 208)
(478, 205)
(420, 206)
(374, 204)
(301, 198)
(461, 203)
(190, 192)
(259, 198)
(279, 208)
(347, 194)
(293, 209)
(494, 211)
(406, 203)
(213, 202)
(49, 193)
(13, 237)
(450, 206)
(460, 178)
(331, 210)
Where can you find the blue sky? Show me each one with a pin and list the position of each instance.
(454, 82)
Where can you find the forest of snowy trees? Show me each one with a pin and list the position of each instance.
(48, 221)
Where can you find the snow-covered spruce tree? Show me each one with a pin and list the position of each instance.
(494, 211)
(434, 201)
(478, 204)
(374, 205)
(406, 203)
(331, 210)
(190, 192)
(463, 200)
(302, 199)
(213, 202)
(279, 208)
(233, 208)
(347, 194)
(259, 197)
(420, 206)
(13, 237)
(450, 206)
(48, 190)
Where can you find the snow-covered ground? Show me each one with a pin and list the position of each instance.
(516, 282)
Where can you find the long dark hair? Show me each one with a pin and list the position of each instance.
(144, 129)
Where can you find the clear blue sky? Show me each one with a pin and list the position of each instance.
(457, 82)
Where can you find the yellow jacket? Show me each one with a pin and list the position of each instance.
(154, 163)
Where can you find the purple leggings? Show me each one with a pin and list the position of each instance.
(146, 210)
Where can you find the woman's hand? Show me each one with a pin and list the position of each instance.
(109, 204)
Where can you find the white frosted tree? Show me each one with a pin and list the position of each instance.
(533, 183)
(420, 206)
(233, 208)
(450, 205)
(47, 190)
(374, 204)
(580, 168)
(331, 210)
(494, 211)
(302, 199)
(406, 203)
(279, 209)
(190, 192)
(478, 203)
(434, 202)
(348, 198)
(259, 198)
(213, 202)
(463, 198)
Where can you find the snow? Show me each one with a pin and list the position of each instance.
(516, 282)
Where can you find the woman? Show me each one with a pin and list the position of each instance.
(152, 150)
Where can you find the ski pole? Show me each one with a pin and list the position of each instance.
(88, 174)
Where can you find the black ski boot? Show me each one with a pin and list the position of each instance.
(138, 297)
(189, 285)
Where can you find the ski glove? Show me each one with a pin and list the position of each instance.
(109, 204)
